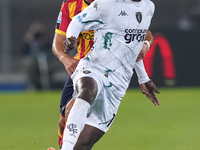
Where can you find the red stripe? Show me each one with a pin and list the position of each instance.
(91, 44)
(82, 53)
(78, 7)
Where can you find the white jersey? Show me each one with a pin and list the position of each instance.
(120, 28)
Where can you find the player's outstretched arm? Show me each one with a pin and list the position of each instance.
(146, 85)
(149, 89)
(147, 44)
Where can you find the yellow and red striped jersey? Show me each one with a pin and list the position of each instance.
(68, 10)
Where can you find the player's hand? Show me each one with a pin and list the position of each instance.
(70, 64)
(142, 52)
(148, 89)
(70, 44)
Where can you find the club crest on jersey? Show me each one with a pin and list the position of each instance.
(138, 16)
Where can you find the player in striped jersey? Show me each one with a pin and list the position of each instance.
(101, 79)
(85, 41)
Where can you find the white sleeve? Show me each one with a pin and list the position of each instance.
(141, 72)
(96, 15)
(74, 28)
(91, 18)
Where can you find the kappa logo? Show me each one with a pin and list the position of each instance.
(123, 13)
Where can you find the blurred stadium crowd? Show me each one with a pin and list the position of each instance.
(27, 29)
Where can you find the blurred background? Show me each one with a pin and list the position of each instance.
(27, 30)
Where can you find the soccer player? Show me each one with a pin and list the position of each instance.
(103, 76)
(85, 40)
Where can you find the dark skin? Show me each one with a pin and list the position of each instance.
(86, 88)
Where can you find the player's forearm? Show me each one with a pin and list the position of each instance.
(149, 37)
(58, 46)
(141, 72)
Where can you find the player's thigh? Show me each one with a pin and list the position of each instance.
(88, 137)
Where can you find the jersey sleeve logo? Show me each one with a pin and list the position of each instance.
(81, 17)
(95, 5)
(59, 17)
(138, 16)
(150, 13)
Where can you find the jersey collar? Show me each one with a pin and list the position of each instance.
(87, 2)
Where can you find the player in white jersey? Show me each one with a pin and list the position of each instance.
(103, 76)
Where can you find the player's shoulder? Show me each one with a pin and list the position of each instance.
(150, 4)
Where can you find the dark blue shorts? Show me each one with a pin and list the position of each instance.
(66, 95)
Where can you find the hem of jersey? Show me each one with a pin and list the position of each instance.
(60, 32)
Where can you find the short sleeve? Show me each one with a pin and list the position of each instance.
(95, 16)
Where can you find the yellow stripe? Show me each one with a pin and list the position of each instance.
(87, 47)
(72, 7)
(79, 48)
(84, 5)
(60, 32)
(59, 134)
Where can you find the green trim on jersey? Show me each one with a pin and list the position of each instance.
(93, 21)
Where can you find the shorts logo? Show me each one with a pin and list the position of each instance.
(109, 121)
(72, 128)
(108, 86)
(138, 16)
(86, 71)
